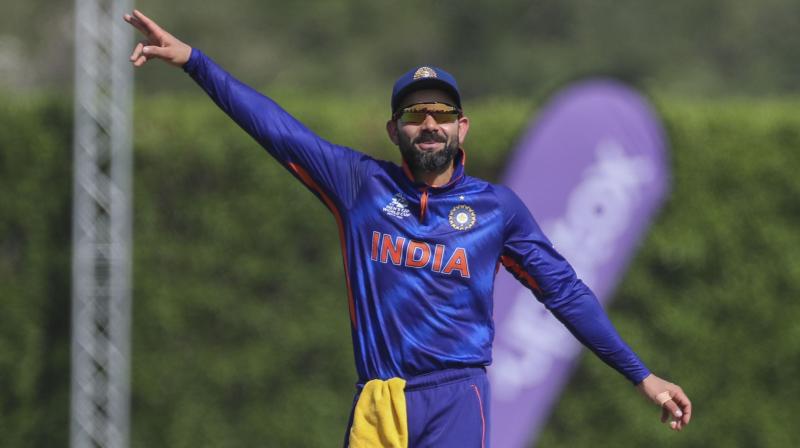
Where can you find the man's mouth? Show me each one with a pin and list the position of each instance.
(429, 143)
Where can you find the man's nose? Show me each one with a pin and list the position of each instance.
(429, 123)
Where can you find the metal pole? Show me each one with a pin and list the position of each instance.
(101, 266)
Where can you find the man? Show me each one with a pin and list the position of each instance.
(421, 244)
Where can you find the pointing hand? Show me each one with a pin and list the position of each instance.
(158, 43)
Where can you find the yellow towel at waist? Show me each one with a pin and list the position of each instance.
(379, 419)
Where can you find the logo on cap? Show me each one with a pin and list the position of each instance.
(425, 72)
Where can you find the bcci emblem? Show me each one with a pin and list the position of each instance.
(425, 72)
(462, 217)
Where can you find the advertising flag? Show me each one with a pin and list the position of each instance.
(592, 169)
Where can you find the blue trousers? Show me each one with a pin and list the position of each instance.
(446, 409)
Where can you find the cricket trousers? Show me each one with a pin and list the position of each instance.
(443, 409)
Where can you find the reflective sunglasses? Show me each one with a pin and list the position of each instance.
(416, 113)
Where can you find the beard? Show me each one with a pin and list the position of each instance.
(430, 161)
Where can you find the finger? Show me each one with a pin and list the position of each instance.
(137, 51)
(685, 405)
(150, 25)
(140, 61)
(672, 408)
(675, 424)
(136, 24)
(153, 51)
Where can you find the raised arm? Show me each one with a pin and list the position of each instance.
(330, 171)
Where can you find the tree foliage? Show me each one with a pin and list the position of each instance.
(507, 47)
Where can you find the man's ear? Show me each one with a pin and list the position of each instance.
(463, 128)
(391, 129)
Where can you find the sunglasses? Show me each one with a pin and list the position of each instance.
(416, 113)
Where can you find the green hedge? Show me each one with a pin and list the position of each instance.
(35, 193)
(241, 335)
(711, 300)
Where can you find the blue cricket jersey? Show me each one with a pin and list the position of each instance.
(420, 261)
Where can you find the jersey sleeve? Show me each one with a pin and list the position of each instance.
(531, 258)
(332, 172)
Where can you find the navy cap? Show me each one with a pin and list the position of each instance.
(425, 77)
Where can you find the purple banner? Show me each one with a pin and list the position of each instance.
(592, 170)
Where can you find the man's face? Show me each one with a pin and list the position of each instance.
(430, 145)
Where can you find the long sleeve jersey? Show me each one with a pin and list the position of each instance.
(419, 260)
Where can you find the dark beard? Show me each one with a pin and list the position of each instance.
(435, 162)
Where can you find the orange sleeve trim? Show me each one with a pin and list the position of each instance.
(520, 273)
(305, 177)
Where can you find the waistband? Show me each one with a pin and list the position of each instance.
(438, 378)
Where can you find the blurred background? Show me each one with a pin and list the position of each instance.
(240, 328)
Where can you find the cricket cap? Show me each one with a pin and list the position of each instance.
(424, 77)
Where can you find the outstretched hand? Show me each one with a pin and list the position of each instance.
(158, 43)
(675, 405)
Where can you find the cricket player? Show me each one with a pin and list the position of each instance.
(421, 244)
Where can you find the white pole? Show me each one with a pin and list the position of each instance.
(101, 261)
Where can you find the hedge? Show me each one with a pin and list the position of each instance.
(240, 326)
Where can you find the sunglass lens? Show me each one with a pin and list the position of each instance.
(416, 113)
(445, 117)
(413, 117)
